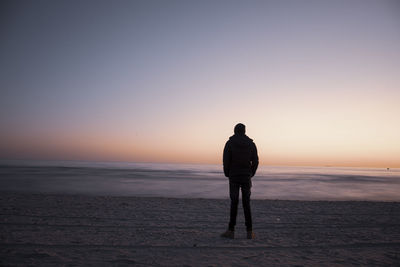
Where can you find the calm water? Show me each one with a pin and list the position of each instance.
(197, 181)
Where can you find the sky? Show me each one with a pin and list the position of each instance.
(316, 83)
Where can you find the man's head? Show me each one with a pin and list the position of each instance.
(240, 129)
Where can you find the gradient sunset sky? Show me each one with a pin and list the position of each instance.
(315, 82)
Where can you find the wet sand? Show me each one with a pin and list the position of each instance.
(54, 230)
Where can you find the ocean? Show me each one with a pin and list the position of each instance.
(197, 181)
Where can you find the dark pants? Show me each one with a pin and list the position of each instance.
(234, 195)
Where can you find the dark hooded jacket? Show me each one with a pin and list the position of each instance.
(240, 158)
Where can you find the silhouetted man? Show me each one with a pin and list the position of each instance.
(240, 165)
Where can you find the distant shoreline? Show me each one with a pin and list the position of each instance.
(83, 195)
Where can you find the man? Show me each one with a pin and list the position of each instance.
(240, 165)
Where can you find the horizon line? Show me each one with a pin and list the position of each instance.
(198, 163)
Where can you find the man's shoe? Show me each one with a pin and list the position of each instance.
(228, 234)
(250, 235)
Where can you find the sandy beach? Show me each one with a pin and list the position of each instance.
(54, 230)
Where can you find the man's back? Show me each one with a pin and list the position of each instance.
(240, 158)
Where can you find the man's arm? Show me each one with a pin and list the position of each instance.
(227, 158)
(254, 160)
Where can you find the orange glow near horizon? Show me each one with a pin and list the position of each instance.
(311, 133)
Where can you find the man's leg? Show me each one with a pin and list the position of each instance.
(234, 195)
(246, 192)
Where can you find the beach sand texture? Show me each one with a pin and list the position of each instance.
(54, 230)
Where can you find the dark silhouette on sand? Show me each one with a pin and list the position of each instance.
(240, 165)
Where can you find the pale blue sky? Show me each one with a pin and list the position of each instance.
(158, 69)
